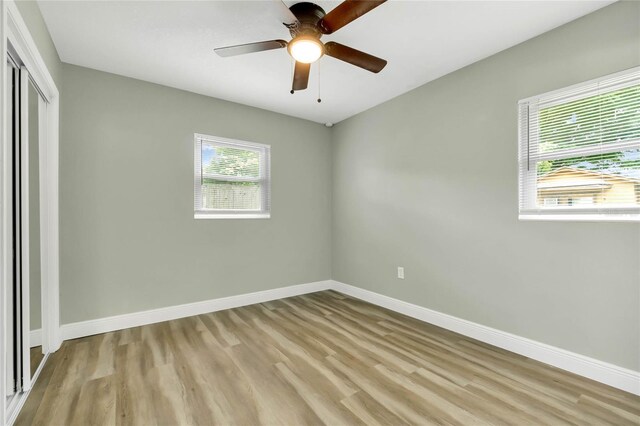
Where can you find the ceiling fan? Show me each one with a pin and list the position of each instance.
(307, 23)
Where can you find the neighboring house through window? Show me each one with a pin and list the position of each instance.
(579, 151)
(232, 179)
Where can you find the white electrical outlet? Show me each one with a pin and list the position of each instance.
(401, 272)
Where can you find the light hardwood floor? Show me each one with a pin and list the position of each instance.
(36, 357)
(307, 360)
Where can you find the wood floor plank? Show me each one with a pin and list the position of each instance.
(299, 356)
(35, 357)
(322, 358)
(321, 400)
(277, 402)
(485, 409)
(96, 404)
(370, 411)
(340, 343)
(409, 407)
(439, 406)
(130, 383)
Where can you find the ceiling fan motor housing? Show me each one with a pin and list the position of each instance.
(308, 15)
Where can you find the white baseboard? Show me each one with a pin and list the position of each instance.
(35, 338)
(136, 319)
(612, 375)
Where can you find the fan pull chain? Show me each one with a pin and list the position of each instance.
(319, 99)
(293, 64)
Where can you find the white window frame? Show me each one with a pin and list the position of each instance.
(528, 157)
(265, 179)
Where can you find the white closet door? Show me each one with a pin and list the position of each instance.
(9, 307)
(24, 227)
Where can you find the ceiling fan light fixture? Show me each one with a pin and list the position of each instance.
(307, 23)
(306, 49)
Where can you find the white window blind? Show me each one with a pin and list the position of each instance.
(579, 151)
(232, 178)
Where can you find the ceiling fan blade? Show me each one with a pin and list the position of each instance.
(301, 76)
(354, 57)
(346, 12)
(286, 16)
(241, 49)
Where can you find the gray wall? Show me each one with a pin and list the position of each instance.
(32, 17)
(128, 239)
(428, 181)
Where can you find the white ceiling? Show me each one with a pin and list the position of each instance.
(171, 43)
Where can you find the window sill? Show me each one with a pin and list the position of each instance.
(581, 217)
(232, 216)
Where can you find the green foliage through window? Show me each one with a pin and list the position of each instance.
(606, 118)
(602, 119)
(227, 161)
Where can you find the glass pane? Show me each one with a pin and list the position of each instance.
(228, 161)
(222, 195)
(605, 118)
(603, 180)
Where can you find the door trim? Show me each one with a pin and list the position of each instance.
(14, 32)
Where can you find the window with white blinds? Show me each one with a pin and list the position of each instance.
(579, 151)
(232, 178)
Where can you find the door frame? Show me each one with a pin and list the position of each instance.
(14, 32)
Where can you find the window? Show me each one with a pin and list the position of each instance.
(232, 179)
(579, 151)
